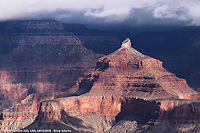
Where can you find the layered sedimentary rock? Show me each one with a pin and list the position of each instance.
(126, 91)
(17, 83)
(135, 113)
(178, 49)
(25, 112)
(128, 72)
(131, 89)
(40, 59)
(96, 40)
(117, 107)
(38, 34)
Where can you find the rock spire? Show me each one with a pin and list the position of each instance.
(126, 43)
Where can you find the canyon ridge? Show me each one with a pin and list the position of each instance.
(126, 91)
(51, 80)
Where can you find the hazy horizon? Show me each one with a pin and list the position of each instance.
(105, 13)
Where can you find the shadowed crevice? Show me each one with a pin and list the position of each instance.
(86, 84)
(138, 107)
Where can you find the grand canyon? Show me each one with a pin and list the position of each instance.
(56, 77)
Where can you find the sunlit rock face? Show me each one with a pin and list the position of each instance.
(41, 60)
(125, 91)
(39, 57)
(128, 72)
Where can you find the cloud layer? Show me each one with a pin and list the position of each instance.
(130, 12)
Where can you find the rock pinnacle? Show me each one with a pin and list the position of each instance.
(126, 43)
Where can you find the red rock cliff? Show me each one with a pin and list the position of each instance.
(124, 83)
(128, 72)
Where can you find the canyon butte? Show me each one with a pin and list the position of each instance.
(126, 91)
(43, 85)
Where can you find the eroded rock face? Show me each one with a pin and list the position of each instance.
(124, 83)
(117, 107)
(38, 58)
(24, 113)
(127, 83)
(128, 72)
(178, 49)
(128, 112)
(185, 109)
(57, 109)
(126, 43)
(17, 83)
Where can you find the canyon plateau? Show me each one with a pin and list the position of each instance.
(50, 80)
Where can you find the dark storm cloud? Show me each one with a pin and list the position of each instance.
(132, 12)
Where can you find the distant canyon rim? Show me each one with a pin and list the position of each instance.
(50, 79)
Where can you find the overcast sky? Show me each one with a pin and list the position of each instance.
(128, 12)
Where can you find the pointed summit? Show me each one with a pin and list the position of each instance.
(131, 73)
(126, 49)
(126, 43)
(127, 56)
